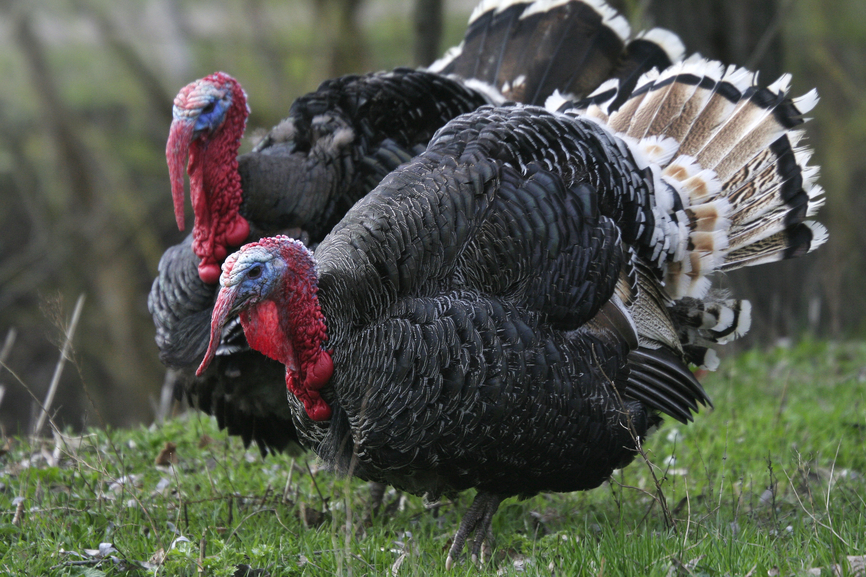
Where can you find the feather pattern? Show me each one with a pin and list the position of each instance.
(516, 307)
(339, 142)
(735, 166)
(512, 282)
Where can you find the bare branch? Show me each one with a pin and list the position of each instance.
(58, 370)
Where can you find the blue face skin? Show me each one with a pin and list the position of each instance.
(249, 277)
(213, 113)
(254, 276)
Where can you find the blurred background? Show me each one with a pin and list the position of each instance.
(85, 207)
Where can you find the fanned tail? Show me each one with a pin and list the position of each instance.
(527, 50)
(732, 187)
(727, 162)
(713, 319)
(656, 48)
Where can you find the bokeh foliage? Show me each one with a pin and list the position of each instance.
(85, 206)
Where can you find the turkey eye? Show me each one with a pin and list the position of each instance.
(255, 272)
(209, 108)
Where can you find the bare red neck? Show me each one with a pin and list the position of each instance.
(215, 188)
(291, 329)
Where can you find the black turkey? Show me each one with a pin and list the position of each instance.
(335, 146)
(338, 142)
(514, 309)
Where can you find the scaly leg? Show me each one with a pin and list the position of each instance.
(377, 495)
(477, 518)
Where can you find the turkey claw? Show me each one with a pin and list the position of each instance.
(477, 519)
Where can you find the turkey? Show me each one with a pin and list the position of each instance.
(340, 141)
(516, 308)
(335, 146)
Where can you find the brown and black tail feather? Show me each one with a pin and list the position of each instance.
(732, 164)
(731, 172)
(656, 48)
(526, 50)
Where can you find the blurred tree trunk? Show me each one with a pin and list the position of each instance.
(270, 54)
(148, 79)
(337, 24)
(91, 248)
(57, 120)
(741, 32)
(428, 31)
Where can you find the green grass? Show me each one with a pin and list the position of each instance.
(769, 483)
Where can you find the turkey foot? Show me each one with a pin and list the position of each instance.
(477, 518)
(377, 495)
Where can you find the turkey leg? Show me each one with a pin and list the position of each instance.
(477, 518)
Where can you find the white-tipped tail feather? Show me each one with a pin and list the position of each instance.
(610, 17)
(449, 56)
(667, 40)
(714, 319)
(731, 180)
(528, 48)
(489, 5)
(730, 151)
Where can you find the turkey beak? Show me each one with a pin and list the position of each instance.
(224, 308)
(176, 152)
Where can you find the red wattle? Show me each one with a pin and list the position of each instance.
(214, 181)
(237, 232)
(319, 374)
(315, 406)
(209, 272)
(289, 326)
(318, 409)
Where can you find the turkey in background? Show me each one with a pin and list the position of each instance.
(335, 146)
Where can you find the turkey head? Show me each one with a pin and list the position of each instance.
(210, 115)
(271, 285)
